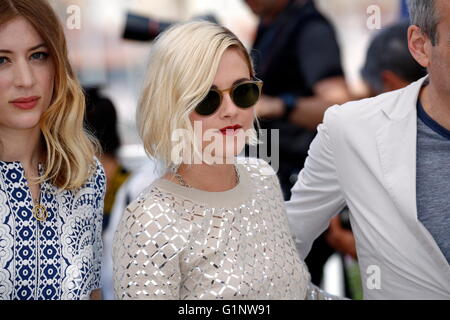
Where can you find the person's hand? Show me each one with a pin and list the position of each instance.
(340, 239)
(269, 107)
(96, 294)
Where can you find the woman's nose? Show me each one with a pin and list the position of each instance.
(228, 107)
(24, 75)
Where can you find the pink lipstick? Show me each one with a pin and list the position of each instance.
(25, 103)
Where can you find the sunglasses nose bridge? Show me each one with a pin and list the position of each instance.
(229, 91)
(228, 103)
(222, 92)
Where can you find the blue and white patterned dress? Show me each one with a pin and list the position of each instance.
(59, 258)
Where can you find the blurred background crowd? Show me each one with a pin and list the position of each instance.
(351, 49)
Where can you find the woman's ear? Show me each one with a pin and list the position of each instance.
(419, 45)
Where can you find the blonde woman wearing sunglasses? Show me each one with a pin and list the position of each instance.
(211, 227)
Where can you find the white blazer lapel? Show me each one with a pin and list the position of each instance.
(397, 146)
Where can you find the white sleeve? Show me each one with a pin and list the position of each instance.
(99, 182)
(146, 253)
(315, 293)
(128, 191)
(316, 196)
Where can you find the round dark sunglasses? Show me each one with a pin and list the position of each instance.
(244, 95)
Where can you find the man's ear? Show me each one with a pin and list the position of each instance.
(419, 46)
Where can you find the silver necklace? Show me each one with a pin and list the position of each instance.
(183, 183)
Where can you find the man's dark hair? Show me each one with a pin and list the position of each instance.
(389, 51)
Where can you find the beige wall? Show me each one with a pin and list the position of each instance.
(350, 19)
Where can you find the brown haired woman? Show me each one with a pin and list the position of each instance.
(51, 186)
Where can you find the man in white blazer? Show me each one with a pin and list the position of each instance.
(388, 159)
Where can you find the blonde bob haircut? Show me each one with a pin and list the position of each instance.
(182, 67)
(69, 150)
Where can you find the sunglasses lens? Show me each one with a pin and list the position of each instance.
(246, 95)
(209, 105)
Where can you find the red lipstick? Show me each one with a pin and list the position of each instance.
(25, 103)
(230, 130)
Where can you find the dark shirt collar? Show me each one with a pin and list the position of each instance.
(430, 122)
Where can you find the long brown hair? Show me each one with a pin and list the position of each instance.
(69, 149)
